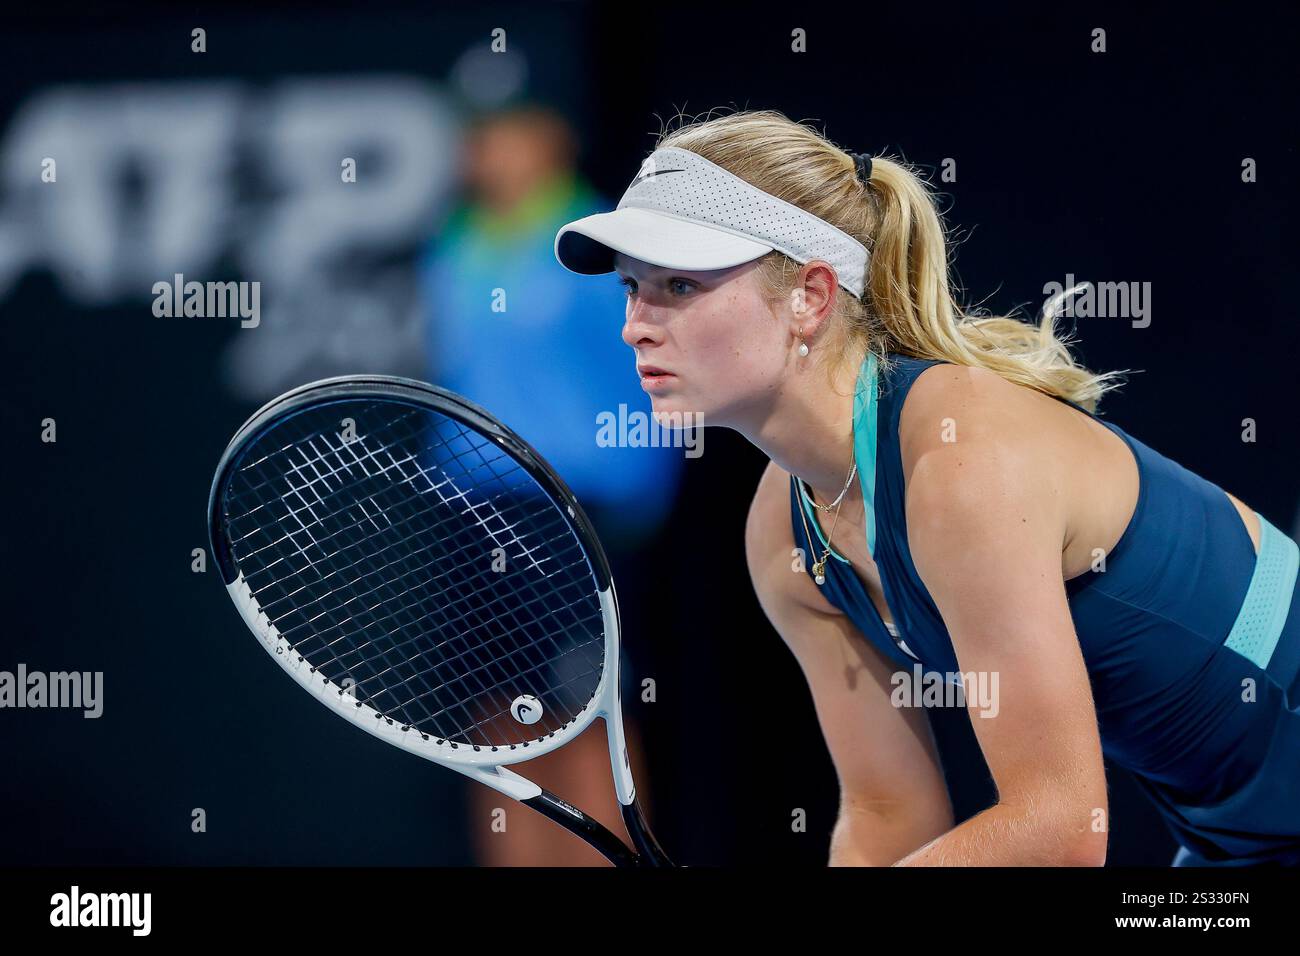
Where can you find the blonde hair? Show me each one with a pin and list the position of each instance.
(907, 306)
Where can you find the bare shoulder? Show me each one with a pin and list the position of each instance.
(957, 416)
(770, 546)
(980, 455)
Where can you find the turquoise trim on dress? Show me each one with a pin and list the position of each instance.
(865, 430)
(1268, 599)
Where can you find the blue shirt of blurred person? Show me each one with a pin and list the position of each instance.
(553, 359)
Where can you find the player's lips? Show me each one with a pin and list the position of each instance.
(652, 376)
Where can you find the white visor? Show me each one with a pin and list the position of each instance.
(684, 212)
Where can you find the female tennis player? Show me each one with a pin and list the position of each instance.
(961, 507)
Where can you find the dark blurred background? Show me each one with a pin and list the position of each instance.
(1121, 166)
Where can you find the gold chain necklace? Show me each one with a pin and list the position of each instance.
(819, 566)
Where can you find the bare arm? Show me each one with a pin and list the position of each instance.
(892, 794)
(986, 522)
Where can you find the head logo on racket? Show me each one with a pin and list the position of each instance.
(526, 709)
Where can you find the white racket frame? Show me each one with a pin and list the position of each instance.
(484, 764)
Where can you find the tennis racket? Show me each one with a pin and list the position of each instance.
(421, 571)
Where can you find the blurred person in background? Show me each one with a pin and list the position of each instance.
(537, 346)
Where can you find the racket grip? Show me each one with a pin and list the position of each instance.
(652, 854)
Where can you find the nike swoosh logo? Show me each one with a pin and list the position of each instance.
(658, 172)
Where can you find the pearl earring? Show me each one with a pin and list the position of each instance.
(803, 346)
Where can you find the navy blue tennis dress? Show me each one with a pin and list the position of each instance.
(1191, 641)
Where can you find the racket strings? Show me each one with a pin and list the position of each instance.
(479, 718)
(373, 555)
(476, 653)
(288, 632)
(557, 522)
(344, 587)
(477, 658)
(308, 485)
(560, 530)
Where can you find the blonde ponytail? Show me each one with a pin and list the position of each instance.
(908, 307)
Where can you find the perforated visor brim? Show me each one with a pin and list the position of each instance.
(587, 246)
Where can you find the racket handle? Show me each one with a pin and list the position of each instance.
(652, 854)
(583, 826)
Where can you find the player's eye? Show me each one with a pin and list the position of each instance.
(675, 286)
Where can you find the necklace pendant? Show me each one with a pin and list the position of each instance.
(819, 572)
